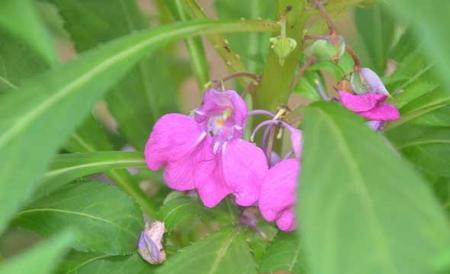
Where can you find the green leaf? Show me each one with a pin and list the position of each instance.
(88, 263)
(149, 89)
(222, 253)
(29, 28)
(376, 29)
(283, 254)
(17, 62)
(362, 209)
(41, 259)
(429, 22)
(437, 118)
(425, 104)
(90, 136)
(178, 209)
(67, 167)
(56, 101)
(105, 219)
(427, 147)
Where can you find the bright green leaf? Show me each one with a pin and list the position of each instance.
(41, 259)
(106, 220)
(284, 254)
(222, 253)
(362, 209)
(68, 167)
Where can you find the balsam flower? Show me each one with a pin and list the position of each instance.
(279, 188)
(370, 99)
(205, 151)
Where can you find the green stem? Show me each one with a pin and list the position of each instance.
(274, 88)
(124, 180)
(230, 57)
(194, 47)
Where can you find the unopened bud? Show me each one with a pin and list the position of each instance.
(366, 80)
(150, 243)
(328, 49)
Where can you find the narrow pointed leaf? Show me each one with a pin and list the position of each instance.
(67, 167)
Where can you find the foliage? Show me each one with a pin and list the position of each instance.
(82, 83)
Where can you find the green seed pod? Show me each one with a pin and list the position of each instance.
(283, 46)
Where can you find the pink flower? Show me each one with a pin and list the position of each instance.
(279, 188)
(371, 106)
(205, 151)
(370, 99)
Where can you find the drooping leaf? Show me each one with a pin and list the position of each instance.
(56, 101)
(284, 254)
(67, 167)
(222, 253)
(89, 263)
(376, 29)
(29, 28)
(40, 259)
(362, 209)
(105, 219)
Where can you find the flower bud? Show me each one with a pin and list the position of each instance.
(283, 46)
(366, 80)
(150, 243)
(328, 49)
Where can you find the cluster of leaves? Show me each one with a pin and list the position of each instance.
(363, 208)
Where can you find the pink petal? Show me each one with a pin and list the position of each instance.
(382, 112)
(358, 103)
(173, 137)
(373, 81)
(208, 179)
(278, 190)
(215, 101)
(296, 141)
(244, 166)
(179, 175)
(286, 221)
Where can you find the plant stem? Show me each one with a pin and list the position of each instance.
(231, 58)
(194, 47)
(123, 180)
(275, 85)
